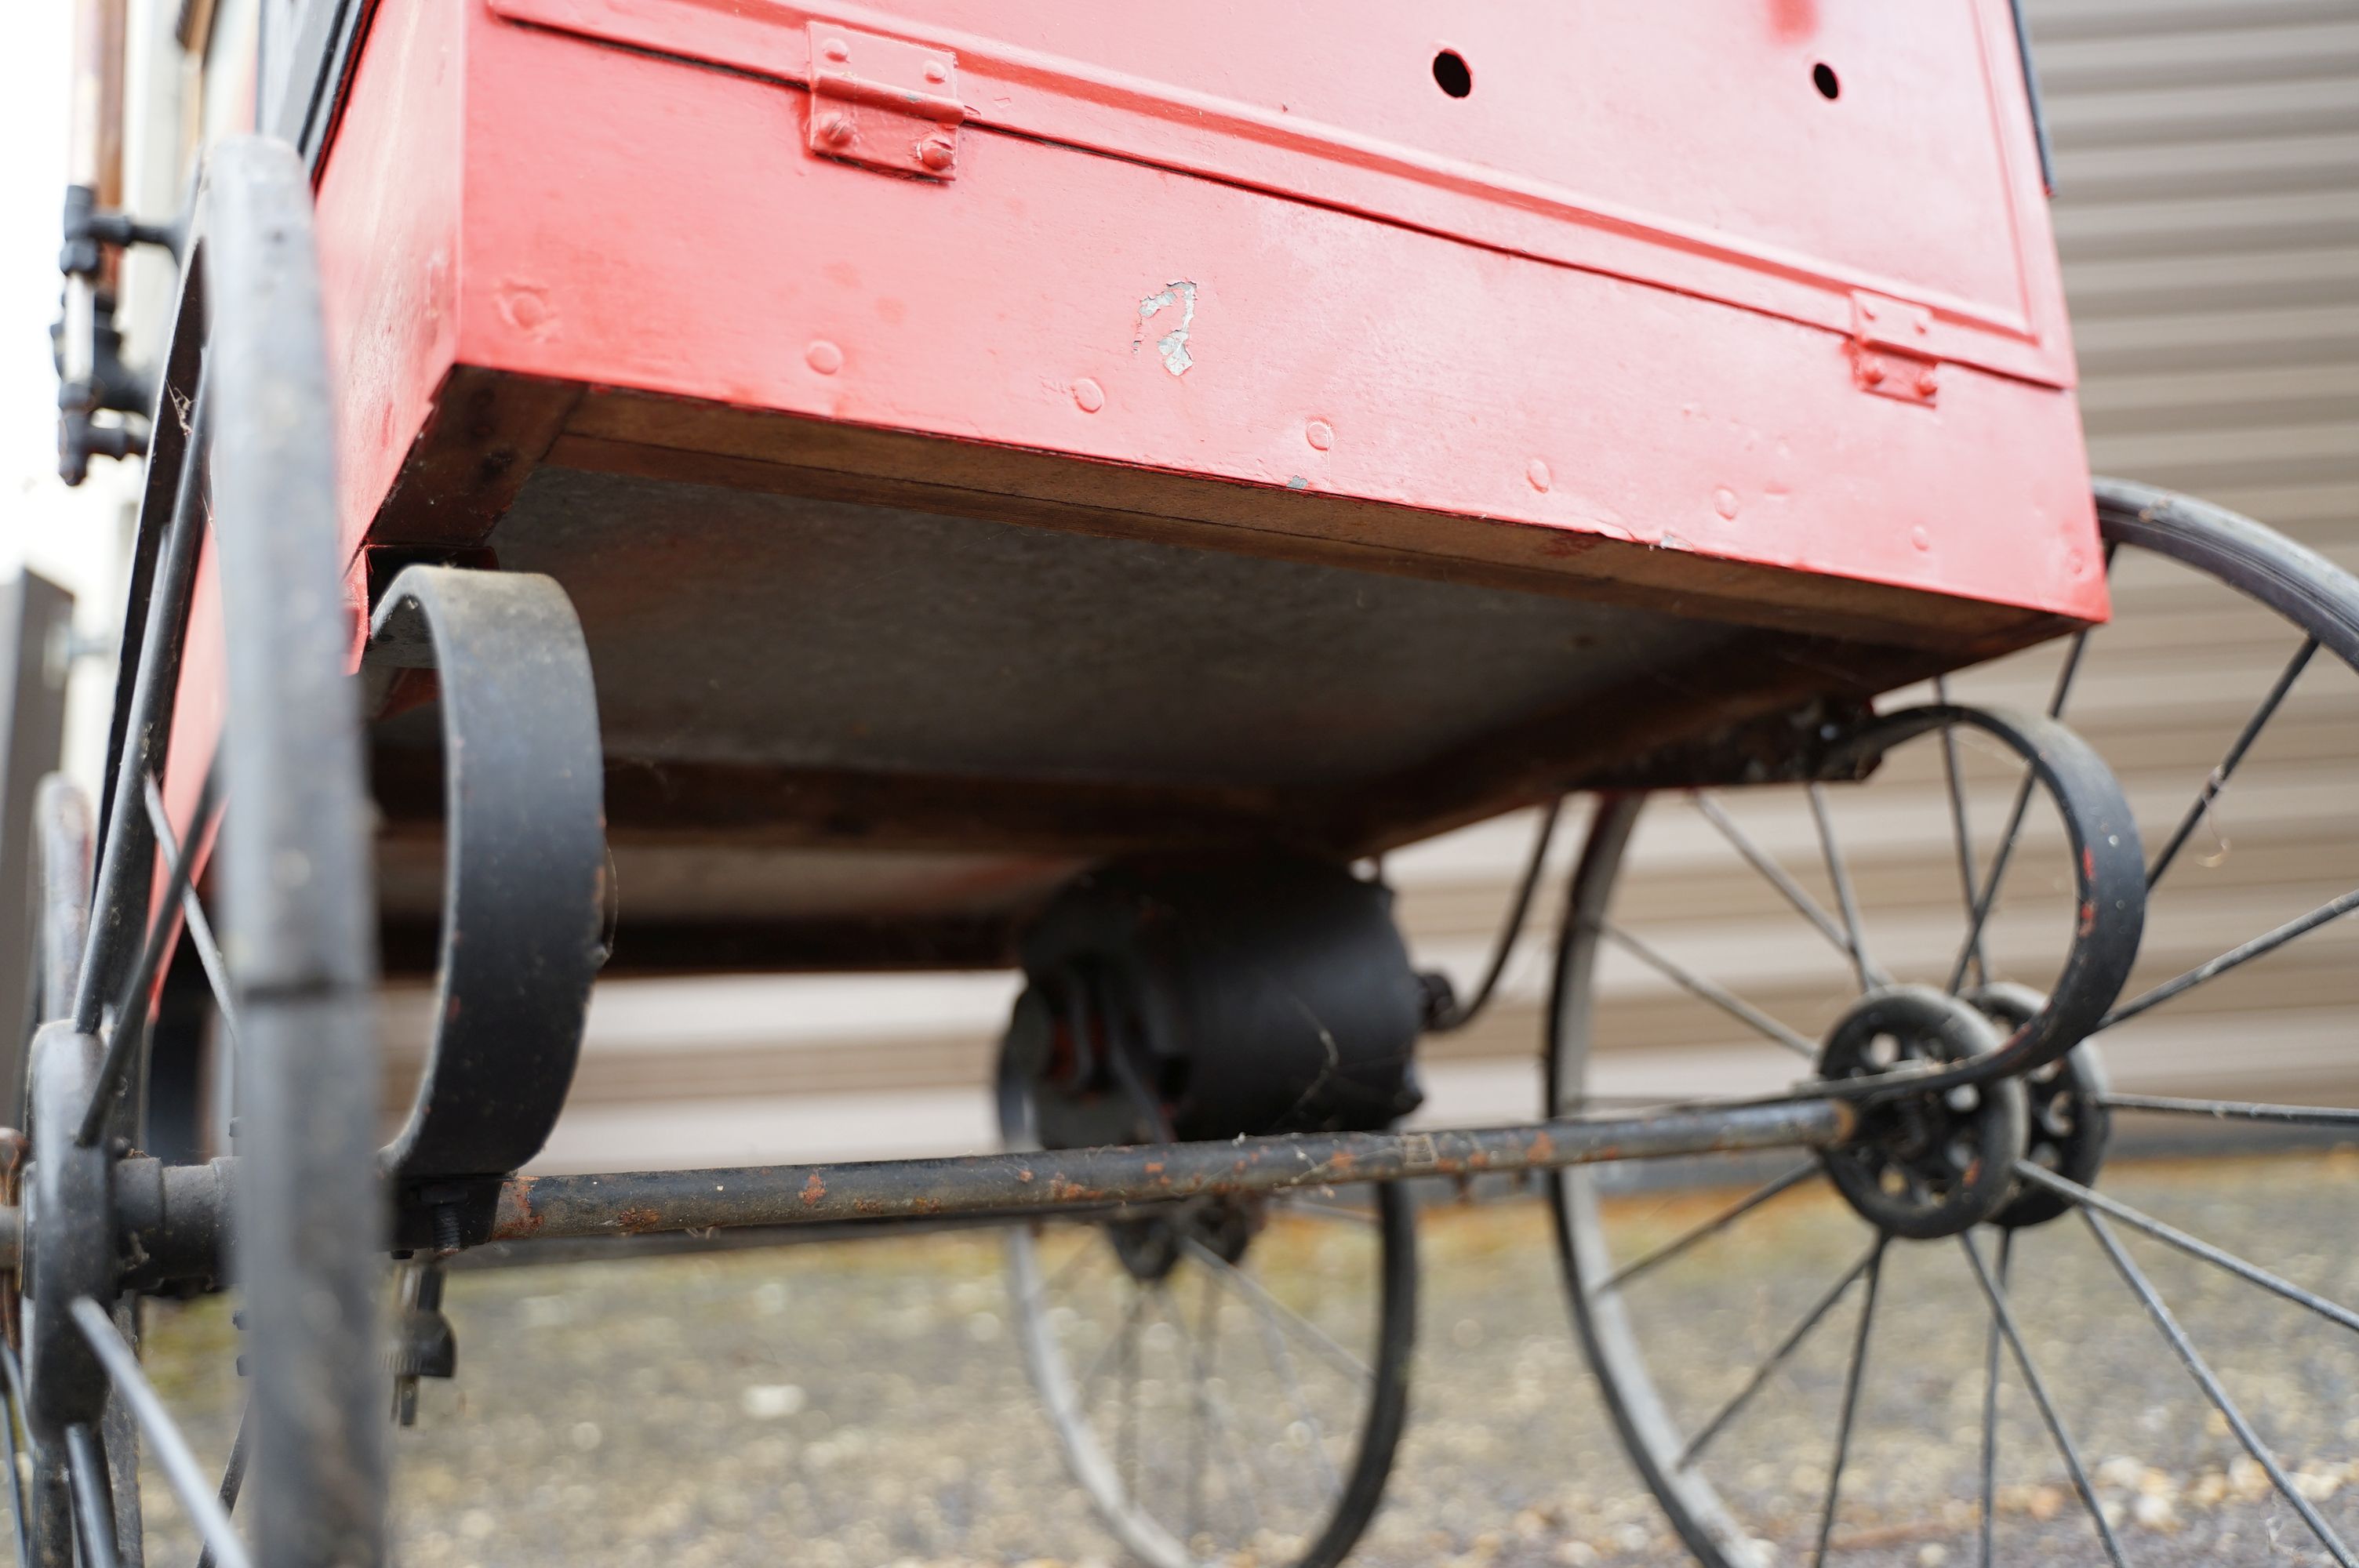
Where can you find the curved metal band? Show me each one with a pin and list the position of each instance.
(2108, 877)
(525, 861)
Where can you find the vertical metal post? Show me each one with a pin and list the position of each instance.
(35, 619)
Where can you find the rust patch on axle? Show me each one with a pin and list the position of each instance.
(636, 1218)
(520, 1190)
(814, 1189)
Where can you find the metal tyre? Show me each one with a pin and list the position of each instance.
(294, 977)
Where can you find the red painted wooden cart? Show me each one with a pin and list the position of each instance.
(1072, 487)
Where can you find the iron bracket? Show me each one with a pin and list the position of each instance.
(885, 103)
(1888, 352)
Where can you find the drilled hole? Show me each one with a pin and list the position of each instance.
(1822, 77)
(1450, 74)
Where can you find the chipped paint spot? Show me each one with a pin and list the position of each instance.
(1173, 344)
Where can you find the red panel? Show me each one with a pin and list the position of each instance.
(388, 235)
(644, 221)
(1718, 179)
(1705, 115)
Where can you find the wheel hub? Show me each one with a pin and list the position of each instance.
(2069, 1124)
(1151, 1245)
(1935, 1163)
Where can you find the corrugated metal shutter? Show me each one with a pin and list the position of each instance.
(2208, 209)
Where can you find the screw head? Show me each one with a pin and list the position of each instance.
(836, 49)
(1320, 434)
(937, 72)
(1537, 472)
(937, 153)
(1089, 396)
(835, 130)
(824, 357)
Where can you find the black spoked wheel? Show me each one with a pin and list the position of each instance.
(2067, 1362)
(1228, 1377)
(283, 809)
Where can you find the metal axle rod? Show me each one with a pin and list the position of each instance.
(1016, 1185)
(177, 1217)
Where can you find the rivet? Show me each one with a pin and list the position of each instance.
(936, 71)
(836, 49)
(936, 152)
(1928, 383)
(836, 129)
(1537, 472)
(1089, 394)
(1870, 369)
(1724, 501)
(824, 357)
(1320, 434)
(1921, 539)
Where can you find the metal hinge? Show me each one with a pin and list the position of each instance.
(885, 103)
(1888, 352)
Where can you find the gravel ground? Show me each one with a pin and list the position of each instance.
(850, 1404)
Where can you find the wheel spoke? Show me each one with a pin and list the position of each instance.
(192, 910)
(1216, 1409)
(2192, 1246)
(2218, 778)
(1205, 1315)
(2333, 909)
(12, 1402)
(232, 1479)
(1990, 1400)
(94, 1501)
(186, 1479)
(2200, 1371)
(1776, 1357)
(1704, 990)
(1066, 1270)
(1126, 1414)
(1273, 1346)
(1118, 1346)
(1720, 1221)
(140, 745)
(2246, 1110)
(1839, 874)
(1965, 846)
(1771, 871)
(2003, 1321)
(1253, 1291)
(131, 1007)
(1304, 1203)
(1461, 1014)
(1980, 906)
(1851, 1380)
